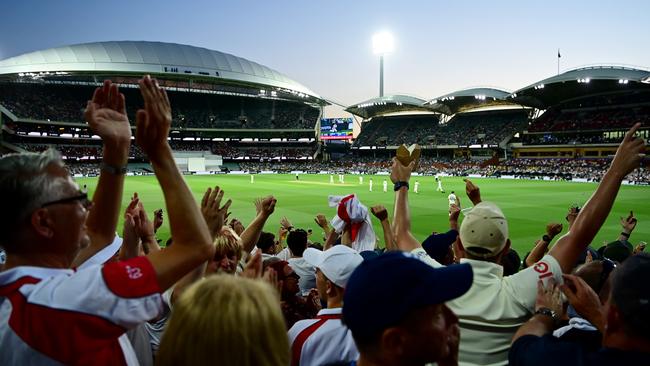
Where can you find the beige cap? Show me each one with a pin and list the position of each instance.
(484, 226)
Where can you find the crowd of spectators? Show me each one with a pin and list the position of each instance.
(605, 118)
(65, 103)
(221, 291)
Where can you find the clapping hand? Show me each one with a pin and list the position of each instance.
(214, 214)
(154, 121)
(106, 115)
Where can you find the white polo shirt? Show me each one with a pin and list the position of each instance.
(58, 316)
(322, 340)
(492, 310)
(307, 274)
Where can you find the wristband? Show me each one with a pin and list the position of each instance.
(625, 234)
(546, 238)
(115, 170)
(400, 184)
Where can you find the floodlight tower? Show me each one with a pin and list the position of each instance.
(382, 44)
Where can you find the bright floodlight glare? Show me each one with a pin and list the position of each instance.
(382, 43)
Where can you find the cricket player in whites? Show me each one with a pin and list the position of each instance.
(361, 179)
(439, 189)
(416, 187)
(453, 199)
(252, 178)
(370, 184)
(385, 186)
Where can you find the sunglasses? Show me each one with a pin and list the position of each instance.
(608, 267)
(81, 197)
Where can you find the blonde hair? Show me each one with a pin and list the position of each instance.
(227, 243)
(226, 320)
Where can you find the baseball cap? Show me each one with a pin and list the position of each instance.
(617, 251)
(437, 245)
(336, 263)
(383, 290)
(485, 227)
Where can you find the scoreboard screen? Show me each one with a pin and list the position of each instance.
(336, 128)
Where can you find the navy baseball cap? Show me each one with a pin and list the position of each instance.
(383, 290)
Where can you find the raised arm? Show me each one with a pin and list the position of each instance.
(541, 245)
(627, 225)
(381, 214)
(192, 244)
(593, 214)
(472, 191)
(402, 215)
(264, 207)
(106, 116)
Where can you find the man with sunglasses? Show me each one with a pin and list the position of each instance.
(47, 226)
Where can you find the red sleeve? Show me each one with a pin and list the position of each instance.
(132, 278)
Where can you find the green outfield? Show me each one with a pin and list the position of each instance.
(528, 205)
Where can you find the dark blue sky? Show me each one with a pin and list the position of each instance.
(326, 45)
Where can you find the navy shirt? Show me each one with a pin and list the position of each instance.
(532, 350)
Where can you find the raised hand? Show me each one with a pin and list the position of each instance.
(154, 121)
(629, 154)
(133, 207)
(265, 206)
(572, 214)
(399, 172)
(628, 223)
(549, 297)
(321, 221)
(553, 228)
(106, 115)
(212, 211)
(143, 226)
(472, 191)
(640, 247)
(253, 268)
(583, 299)
(454, 212)
(284, 221)
(379, 212)
(157, 219)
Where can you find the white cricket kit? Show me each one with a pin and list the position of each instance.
(331, 179)
(453, 200)
(360, 180)
(322, 340)
(370, 185)
(492, 310)
(54, 316)
(385, 186)
(416, 187)
(252, 178)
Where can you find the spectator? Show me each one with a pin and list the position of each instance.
(56, 223)
(297, 242)
(492, 310)
(325, 339)
(404, 321)
(625, 316)
(294, 306)
(226, 320)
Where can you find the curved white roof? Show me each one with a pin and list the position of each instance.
(148, 57)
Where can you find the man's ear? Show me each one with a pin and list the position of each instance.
(613, 319)
(459, 249)
(41, 222)
(393, 341)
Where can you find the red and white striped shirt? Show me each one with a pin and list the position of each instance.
(322, 340)
(59, 316)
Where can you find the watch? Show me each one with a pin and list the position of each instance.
(115, 170)
(546, 238)
(547, 312)
(400, 184)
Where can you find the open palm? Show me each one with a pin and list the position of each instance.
(106, 115)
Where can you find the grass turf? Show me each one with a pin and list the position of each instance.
(528, 205)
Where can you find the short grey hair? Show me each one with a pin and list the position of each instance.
(24, 186)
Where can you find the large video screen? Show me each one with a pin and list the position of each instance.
(336, 128)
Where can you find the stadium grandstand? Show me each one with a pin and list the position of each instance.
(225, 107)
(236, 115)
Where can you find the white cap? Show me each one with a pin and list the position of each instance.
(336, 263)
(485, 226)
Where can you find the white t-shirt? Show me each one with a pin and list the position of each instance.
(306, 272)
(495, 306)
(452, 199)
(328, 340)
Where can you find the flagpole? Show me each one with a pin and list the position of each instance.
(558, 61)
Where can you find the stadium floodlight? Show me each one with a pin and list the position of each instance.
(382, 43)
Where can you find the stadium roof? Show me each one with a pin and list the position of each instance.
(467, 99)
(581, 83)
(388, 104)
(140, 57)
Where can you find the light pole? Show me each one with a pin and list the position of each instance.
(382, 43)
